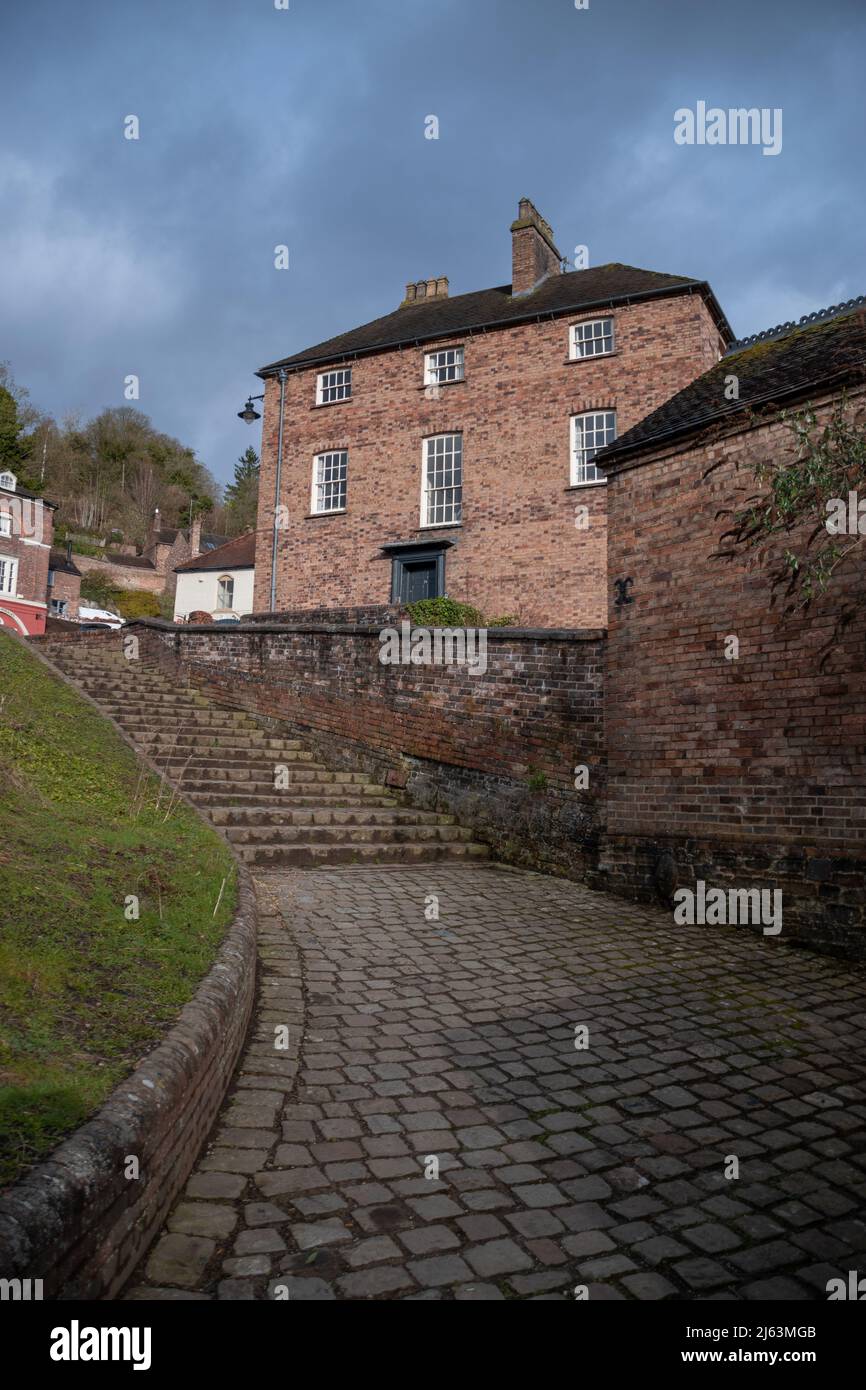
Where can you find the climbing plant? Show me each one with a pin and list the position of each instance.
(814, 486)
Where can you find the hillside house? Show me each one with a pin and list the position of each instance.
(448, 447)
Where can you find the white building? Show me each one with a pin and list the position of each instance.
(218, 583)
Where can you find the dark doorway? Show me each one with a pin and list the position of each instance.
(417, 571)
(418, 580)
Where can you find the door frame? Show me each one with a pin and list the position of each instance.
(402, 554)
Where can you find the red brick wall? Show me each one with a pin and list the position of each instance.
(67, 586)
(132, 577)
(518, 550)
(749, 772)
(498, 749)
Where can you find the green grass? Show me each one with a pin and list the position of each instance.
(84, 993)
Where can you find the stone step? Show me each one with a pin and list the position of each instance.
(300, 778)
(311, 856)
(189, 720)
(163, 739)
(288, 835)
(361, 814)
(225, 760)
(322, 798)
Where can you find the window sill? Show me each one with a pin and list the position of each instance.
(442, 526)
(578, 487)
(316, 516)
(596, 357)
(439, 385)
(328, 405)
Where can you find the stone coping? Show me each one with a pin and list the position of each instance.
(504, 634)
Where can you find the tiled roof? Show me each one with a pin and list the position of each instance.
(575, 291)
(237, 554)
(58, 561)
(31, 496)
(137, 562)
(772, 369)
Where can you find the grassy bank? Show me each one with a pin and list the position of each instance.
(85, 992)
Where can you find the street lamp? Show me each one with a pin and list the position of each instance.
(250, 414)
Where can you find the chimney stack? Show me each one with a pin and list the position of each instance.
(533, 253)
(426, 289)
(195, 538)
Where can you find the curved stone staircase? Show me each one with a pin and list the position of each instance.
(269, 795)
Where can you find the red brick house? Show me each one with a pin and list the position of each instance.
(448, 447)
(64, 584)
(26, 530)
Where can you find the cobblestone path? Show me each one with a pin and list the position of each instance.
(415, 1041)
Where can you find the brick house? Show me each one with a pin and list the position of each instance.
(448, 446)
(26, 531)
(64, 584)
(748, 771)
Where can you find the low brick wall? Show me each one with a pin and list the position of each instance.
(76, 1221)
(496, 750)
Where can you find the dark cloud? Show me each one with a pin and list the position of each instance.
(306, 127)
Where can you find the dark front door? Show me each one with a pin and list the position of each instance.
(418, 580)
(417, 571)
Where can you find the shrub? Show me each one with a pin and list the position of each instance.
(97, 591)
(444, 612)
(137, 603)
(507, 621)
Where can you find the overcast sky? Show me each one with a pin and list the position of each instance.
(306, 127)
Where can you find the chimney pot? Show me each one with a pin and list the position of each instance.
(426, 289)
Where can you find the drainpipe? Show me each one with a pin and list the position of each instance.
(282, 374)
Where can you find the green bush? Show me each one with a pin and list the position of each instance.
(137, 603)
(450, 612)
(444, 612)
(97, 590)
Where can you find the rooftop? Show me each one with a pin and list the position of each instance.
(427, 319)
(59, 560)
(781, 365)
(236, 554)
